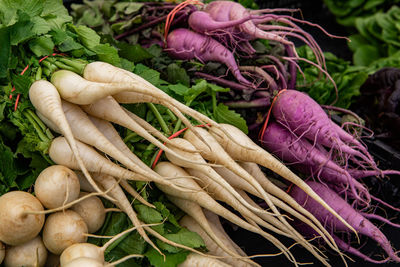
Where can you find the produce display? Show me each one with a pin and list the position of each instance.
(156, 133)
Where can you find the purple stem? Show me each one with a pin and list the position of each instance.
(224, 82)
(256, 103)
(145, 26)
(379, 218)
(292, 69)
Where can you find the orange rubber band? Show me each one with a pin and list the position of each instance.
(269, 114)
(171, 15)
(157, 158)
(22, 73)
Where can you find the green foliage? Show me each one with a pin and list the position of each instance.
(347, 11)
(348, 79)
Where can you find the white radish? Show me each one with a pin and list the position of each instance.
(195, 260)
(63, 229)
(85, 186)
(108, 182)
(46, 99)
(87, 262)
(56, 185)
(215, 153)
(205, 169)
(112, 135)
(30, 254)
(109, 109)
(263, 219)
(61, 153)
(203, 199)
(92, 212)
(220, 231)
(287, 201)
(238, 183)
(85, 131)
(88, 250)
(17, 226)
(213, 249)
(260, 156)
(149, 128)
(102, 72)
(122, 202)
(196, 213)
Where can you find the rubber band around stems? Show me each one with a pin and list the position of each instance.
(23, 72)
(176, 134)
(269, 115)
(171, 15)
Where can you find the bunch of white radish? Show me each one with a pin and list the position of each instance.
(23, 218)
(82, 110)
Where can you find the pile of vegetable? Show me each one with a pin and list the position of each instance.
(86, 119)
(347, 12)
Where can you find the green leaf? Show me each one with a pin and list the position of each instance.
(88, 37)
(166, 213)
(22, 83)
(222, 114)
(22, 30)
(177, 74)
(134, 53)
(171, 260)
(184, 237)
(365, 55)
(117, 224)
(133, 244)
(178, 89)
(7, 164)
(5, 51)
(147, 214)
(107, 53)
(150, 75)
(42, 46)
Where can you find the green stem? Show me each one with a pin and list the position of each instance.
(63, 66)
(177, 126)
(214, 100)
(79, 66)
(116, 243)
(38, 75)
(36, 118)
(129, 137)
(158, 116)
(171, 115)
(39, 131)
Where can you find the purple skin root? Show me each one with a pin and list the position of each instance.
(310, 160)
(305, 117)
(185, 44)
(332, 224)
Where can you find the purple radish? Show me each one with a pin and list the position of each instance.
(308, 159)
(362, 225)
(185, 44)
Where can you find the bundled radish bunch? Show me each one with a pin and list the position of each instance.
(302, 135)
(81, 109)
(72, 216)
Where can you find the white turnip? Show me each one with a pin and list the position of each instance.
(56, 185)
(30, 254)
(17, 226)
(63, 229)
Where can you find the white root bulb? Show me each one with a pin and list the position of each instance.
(92, 212)
(30, 254)
(17, 226)
(56, 185)
(63, 229)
